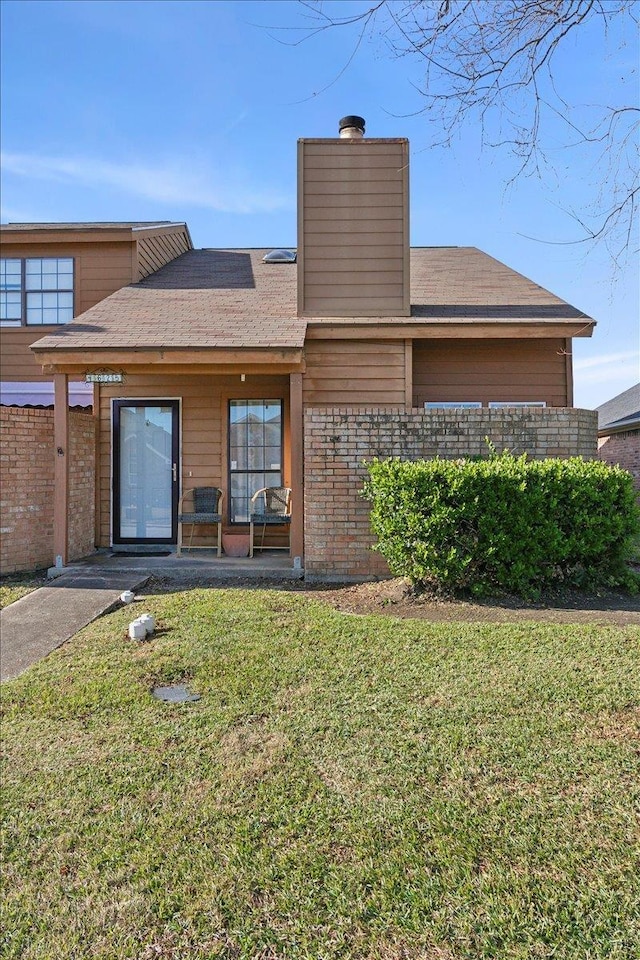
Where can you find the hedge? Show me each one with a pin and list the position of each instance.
(505, 523)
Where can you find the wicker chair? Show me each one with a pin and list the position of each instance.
(207, 509)
(274, 509)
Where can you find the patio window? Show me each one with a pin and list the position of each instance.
(37, 291)
(499, 404)
(255, 452)
(452, 404)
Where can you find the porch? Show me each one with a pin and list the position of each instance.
(205, 565)
(157, 436)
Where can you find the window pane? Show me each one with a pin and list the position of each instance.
(10, 274)
(33, 270)
(49, 273)
(52, 308)
(10, 308)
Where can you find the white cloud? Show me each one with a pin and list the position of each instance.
(608, 368)
(176, 183)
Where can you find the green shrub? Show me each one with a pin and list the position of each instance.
(505, 523)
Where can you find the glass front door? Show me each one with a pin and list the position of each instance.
(145, 471)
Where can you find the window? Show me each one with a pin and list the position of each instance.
(255, 452)
(452, 404)
(11, 293)
(497, 404)
(36, 291)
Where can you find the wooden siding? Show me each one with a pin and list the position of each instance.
(203, 430)
(353, 228)
(486, 370)
(354, 373)
(154, 252)
(99, 270)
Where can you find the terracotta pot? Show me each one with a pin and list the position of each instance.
(235, 544)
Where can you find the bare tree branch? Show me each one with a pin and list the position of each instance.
(493, 62)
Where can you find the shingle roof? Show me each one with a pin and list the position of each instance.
(621, 411)
(204, 298)
(230, 298)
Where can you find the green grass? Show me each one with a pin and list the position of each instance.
(347, 787)
(17, 585)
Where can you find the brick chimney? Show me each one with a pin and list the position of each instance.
(353, 225)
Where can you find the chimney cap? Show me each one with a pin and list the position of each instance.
(351, 121)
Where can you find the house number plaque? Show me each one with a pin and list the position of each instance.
(104, 376)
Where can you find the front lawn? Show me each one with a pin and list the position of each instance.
(346, 787)
(17, 585)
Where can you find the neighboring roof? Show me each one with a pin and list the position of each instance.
(39, 393)
(620, 413)
(230, 298)
(100, 225)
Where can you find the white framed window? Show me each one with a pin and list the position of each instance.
(497, 404)
(36, 291)
(452, 404)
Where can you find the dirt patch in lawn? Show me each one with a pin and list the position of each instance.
(394, 598)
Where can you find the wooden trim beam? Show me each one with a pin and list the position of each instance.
(448, 331)
(568, 359)
(241, 360)
(61, 469)
(98, 464)
(408, 375)
(297, 466)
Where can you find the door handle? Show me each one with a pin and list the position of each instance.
(174, 470)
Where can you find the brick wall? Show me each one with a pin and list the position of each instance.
(82, 507)
(27, 483)
(337, 440)
(622, 449)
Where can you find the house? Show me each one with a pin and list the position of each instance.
(619, 432)
(52, 272)
(48, 274)
(245, 368)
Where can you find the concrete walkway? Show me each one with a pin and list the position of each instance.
(36, 624)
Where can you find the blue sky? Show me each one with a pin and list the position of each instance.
(123, 110)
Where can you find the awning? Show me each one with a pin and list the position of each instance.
(18, 393)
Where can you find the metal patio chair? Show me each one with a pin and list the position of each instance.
(206, 505)
(270, 506)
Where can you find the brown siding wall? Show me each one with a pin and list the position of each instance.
(353, 228)
(337, 536)
(154, 252)
(367, 373)
(27, 482)
(485, 370)
(100, 269)
(204, 434)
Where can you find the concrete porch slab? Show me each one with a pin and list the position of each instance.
(270, 565)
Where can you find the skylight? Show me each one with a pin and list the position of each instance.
(280, 256)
